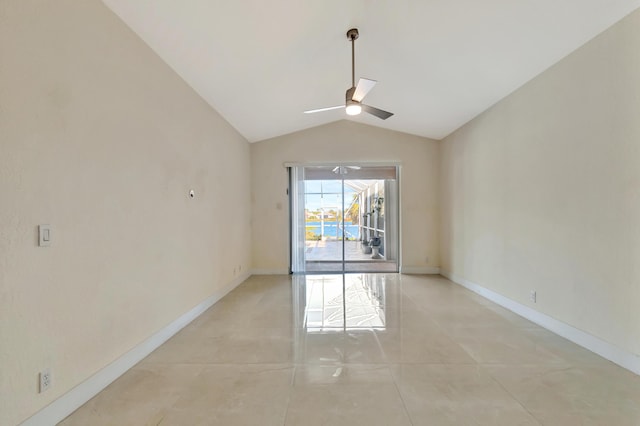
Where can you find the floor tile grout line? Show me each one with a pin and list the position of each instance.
(397, 386)
(291, 390)
(391, 366)
(515, 398)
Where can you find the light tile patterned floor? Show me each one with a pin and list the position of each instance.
(365, 349)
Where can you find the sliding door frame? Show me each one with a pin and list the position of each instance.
(397, 164)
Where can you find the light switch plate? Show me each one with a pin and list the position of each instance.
(44, 235)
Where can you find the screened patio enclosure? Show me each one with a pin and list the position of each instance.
(344, 219)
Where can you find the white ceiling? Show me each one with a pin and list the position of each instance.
(438, 63)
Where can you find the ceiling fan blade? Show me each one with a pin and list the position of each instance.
(377, 112)
(311, 111)
(363, 87)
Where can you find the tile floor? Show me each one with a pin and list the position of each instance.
(365, 349)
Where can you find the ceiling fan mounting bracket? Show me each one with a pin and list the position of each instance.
(353, 34)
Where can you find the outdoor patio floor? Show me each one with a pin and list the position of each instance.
(326, 256)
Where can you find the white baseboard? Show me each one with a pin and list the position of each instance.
(420, 270)
(623, 358)
(267, 271)
(76, 397)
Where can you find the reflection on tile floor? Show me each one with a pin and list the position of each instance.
(370, 349)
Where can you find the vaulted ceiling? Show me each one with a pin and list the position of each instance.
(438, 63)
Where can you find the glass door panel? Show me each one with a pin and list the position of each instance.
(323, 216)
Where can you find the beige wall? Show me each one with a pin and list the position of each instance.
(345, 141)
(542, 192)
(99, 138)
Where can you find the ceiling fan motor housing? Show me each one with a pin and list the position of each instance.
(349, 95)
(353, 107)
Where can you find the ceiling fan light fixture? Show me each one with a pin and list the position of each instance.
(353, 108)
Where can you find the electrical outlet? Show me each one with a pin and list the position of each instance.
(45, 380)
(533, 296)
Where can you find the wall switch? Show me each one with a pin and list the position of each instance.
(45, 380)
(533, 296)
(44, 235)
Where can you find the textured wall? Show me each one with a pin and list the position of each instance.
(345, 141)
(542, 192)
(99, 138)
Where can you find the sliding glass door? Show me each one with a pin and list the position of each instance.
(349, 217)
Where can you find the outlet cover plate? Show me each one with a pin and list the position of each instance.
(45, 380)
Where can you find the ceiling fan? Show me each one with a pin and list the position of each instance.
(355, 94)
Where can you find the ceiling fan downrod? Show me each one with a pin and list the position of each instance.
(352, 35)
